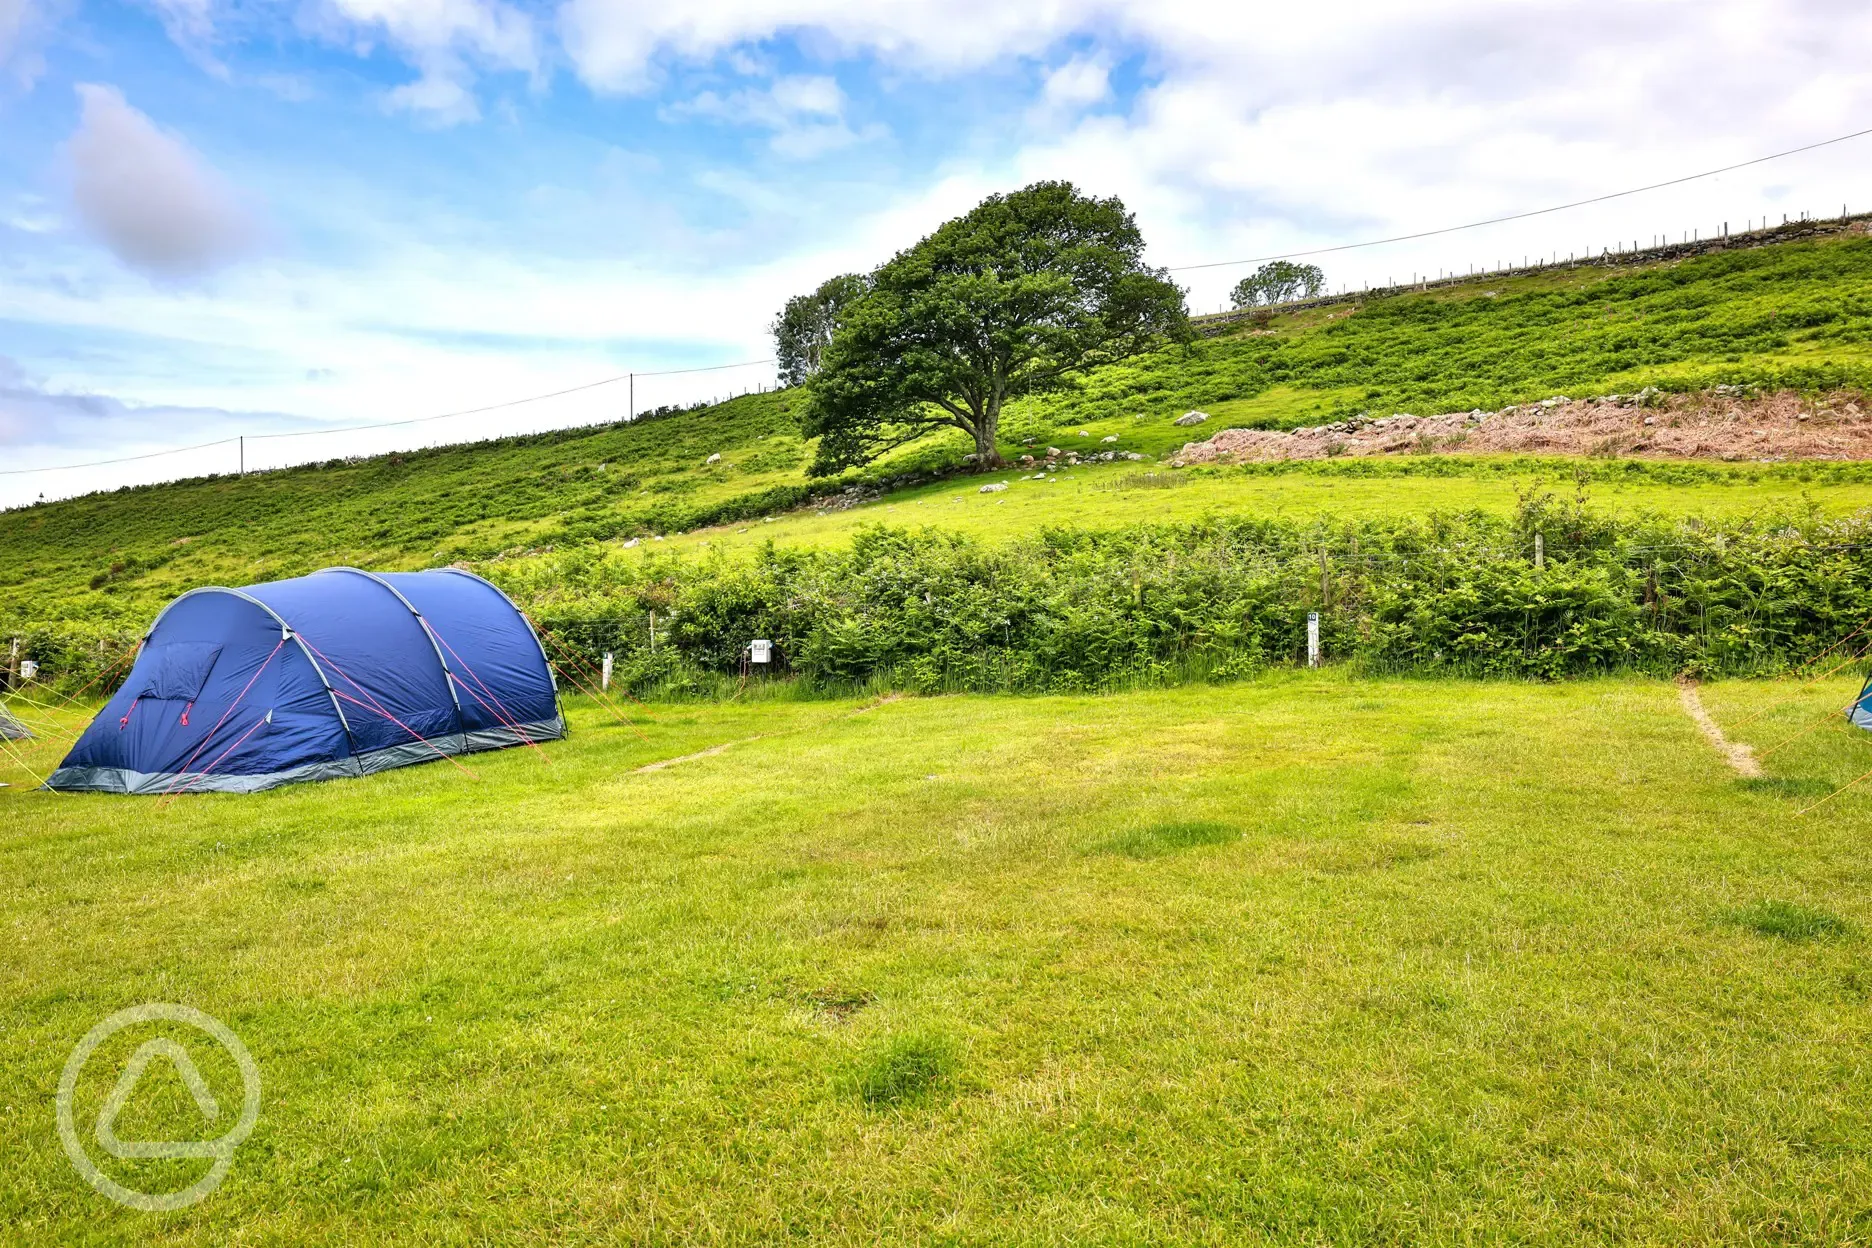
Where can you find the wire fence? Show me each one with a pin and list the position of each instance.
(238, 442)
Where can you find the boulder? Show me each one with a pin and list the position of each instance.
(1191, 418)
(993, 487)
(1110, 437)
(713, 459)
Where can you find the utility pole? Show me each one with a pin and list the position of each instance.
(243, 454)
(633, 398)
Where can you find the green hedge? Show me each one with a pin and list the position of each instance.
(1078, 610)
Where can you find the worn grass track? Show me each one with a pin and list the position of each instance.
(1309, 959)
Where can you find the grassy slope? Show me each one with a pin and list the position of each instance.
(1794, 314)
(1440, 962)
(1112, 495)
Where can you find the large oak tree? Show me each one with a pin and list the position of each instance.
(1012, 299)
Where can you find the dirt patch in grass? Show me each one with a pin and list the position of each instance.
(1736, 754)
(838, 1002)
(1708, 425)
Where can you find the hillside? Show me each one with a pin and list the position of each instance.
(1795, 316)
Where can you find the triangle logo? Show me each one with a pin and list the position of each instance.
(127, 1083)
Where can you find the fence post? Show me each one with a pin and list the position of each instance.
(12, 669)
(604, 679)
(1313, 646)
(1540, 550)
(653, 634)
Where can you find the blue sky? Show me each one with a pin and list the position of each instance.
(278, 215)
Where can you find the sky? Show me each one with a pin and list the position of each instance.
(277, 217)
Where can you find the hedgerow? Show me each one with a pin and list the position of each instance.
(1155, 604)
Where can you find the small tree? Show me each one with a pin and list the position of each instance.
(1012, 299)
(1278, 282)
(807, 323)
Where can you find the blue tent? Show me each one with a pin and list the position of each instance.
(341, 673)
(1861, 713)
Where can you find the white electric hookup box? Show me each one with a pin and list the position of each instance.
(760, 651)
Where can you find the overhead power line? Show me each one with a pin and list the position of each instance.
(1175, 268)
(1522, 216)
(127, 459)
(387, 424)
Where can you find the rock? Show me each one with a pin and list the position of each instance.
(993, 487)
(632, 542)
(1800, 416)
(1132, 455)
(1191, 418)
(657, 537)
(1084, 434)
(1027, 461)
(1110, 437)
(1052, 451)
(713, 459)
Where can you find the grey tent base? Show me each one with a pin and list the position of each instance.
(1861, 716)
(122, 780)
(11, 729)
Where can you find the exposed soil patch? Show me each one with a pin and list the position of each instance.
(1736, 754)
(1725, 424)
(711, 752)
(839, 1003)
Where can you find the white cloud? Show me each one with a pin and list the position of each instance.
(439, 97)
(1258, 129)
(446, 40)
(18, 58)
(42, 425)
(1071, 89)
(804, 113)
(150, 197)
(12, 23)
(189, 22)
(614, 43)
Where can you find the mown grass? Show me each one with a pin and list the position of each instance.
(1465, 974)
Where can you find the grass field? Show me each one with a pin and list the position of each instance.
(1308, 959)
(1110, 495)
